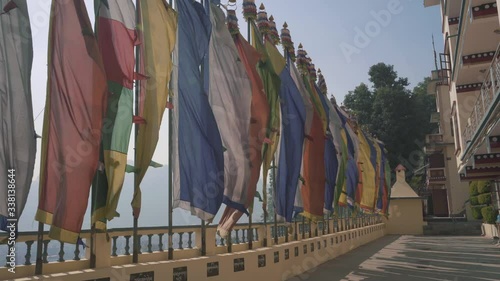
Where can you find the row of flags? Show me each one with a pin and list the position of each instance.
(240, 110)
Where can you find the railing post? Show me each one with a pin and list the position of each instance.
(210, 247)
(102, 250)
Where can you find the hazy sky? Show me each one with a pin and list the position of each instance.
(344, 38)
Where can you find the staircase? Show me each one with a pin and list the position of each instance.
(449, 226)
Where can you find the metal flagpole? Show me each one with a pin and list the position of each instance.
(250, 230)
(274, 198)
(203, 225)
(39, 261)
(170, 170)
(135, 257)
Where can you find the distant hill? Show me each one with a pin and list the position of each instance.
(154, 210)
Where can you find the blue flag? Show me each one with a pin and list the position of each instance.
(197, 152)
(331, 161)
(293, 116)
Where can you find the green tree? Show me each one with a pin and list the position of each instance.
(383, 75)
(360, 102)
(396, 115)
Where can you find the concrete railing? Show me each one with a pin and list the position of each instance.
(114, 248)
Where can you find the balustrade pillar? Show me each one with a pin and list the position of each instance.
(102, 250)
(211, 233)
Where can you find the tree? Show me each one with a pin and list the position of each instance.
(360, 102)
(394, 114)
(383, 75)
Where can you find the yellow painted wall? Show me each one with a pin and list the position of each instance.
(405, 217)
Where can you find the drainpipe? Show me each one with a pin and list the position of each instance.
(460, 24)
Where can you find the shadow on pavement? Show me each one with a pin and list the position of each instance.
(408, 258)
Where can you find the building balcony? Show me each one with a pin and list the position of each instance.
(485, 112)
(433, 143)
(437, 176)
(434, 139)
(435, 117)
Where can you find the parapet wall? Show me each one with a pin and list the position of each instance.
(292, 260)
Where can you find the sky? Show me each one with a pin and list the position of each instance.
(343, 38)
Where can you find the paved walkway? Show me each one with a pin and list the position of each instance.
(409, 258)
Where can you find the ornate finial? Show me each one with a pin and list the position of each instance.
(262, 21)
(322, 82)
(333, 100)
(302, 60)
(311, 69)
(273, 31)
(286, 40)
(249, 10)
(232, 22)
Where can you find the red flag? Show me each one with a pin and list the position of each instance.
(260, 118)
(75, 107)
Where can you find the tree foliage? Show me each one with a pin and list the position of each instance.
(396, 115)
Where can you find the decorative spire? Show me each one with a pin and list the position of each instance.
(262, 21)
(322, 83)
(311, 69)
(273, 31)
(232, 22)
(302, 60)
(249, 10)
(333, 100)
(286, 41)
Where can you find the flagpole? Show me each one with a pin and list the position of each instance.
(170, 172)
(250, 230)
(203, 225)
(135, 256)
(39, 261)
(274, 200)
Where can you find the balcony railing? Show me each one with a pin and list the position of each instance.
(437, 175)
(434, 139)
(187, 243)
(487, 102)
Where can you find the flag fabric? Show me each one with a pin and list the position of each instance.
(230, 96)
(75, 108)
(17, 137)
(366, 188)
(309, 108)
(313, 185)
(350, 187)
(337, 130)
(293, 118)
(378, 178)
(197, 146)
(258, 126)
(158, 37)
(116, 37)
(385, 181)
(330, 156)
(272, 83)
